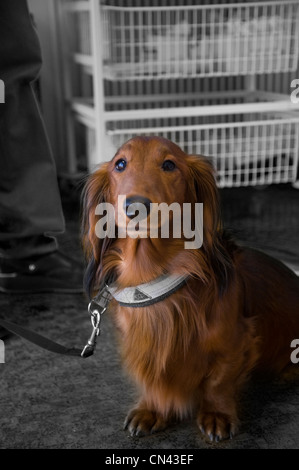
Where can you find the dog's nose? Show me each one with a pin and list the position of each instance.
(140, 203)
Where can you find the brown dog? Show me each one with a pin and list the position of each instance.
(237, 312)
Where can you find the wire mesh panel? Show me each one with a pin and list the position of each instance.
(158, 59)
(207, 40)
(250, 149)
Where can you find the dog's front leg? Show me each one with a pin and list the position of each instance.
(215, 424)
(217, 417)
(142, 421)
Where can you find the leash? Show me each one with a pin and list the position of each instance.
(96, 308)
(138, 296)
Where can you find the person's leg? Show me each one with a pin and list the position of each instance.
(30, 204)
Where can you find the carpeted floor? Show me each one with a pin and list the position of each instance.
(49, 401)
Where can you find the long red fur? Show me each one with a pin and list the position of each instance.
(191, 353)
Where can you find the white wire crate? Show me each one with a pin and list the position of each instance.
(246, 154)
(126, 88)
(248, 147)
(198, 40)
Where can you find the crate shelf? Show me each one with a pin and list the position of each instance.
(200, 40)
(123, 59)
(250, 145)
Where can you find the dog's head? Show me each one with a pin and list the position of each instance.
(146, 170)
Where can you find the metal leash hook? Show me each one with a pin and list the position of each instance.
(91, 343)
(100, 301)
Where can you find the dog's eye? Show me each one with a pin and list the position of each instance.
(120, 165)
(168, 165)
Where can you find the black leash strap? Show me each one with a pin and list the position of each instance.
(39, 340)
(96, 308)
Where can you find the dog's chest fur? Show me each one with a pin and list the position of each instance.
(174, 347)
(160, 346)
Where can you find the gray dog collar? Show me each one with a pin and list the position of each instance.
(148, 293)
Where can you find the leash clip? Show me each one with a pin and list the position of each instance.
(96, 313)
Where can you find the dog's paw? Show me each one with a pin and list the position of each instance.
(141, 422)
(217, 426)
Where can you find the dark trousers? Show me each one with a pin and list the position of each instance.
(30, 204)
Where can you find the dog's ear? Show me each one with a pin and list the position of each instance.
(204, 189)
(96, 191)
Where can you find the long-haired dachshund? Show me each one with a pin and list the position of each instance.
(238, 310)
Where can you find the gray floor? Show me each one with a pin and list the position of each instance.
(50, 401)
